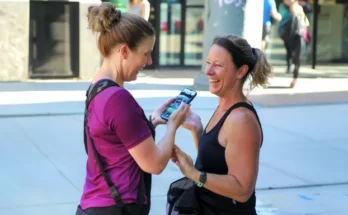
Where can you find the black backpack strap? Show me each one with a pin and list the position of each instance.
(91, 93)
(113, 191)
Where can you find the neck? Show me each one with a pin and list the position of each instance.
(232, 98)
(110, 71)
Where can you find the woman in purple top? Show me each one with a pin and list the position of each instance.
(116, 124)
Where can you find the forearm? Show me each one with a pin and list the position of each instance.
(224, 185)
(165, 147)
(196, 133)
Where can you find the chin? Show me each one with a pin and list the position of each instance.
(134, 77)
(213, 91)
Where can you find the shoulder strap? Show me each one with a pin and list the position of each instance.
(90, 94)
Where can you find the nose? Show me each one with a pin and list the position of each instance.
(209, 70)
(149, 59)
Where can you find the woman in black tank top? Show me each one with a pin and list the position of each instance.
(228, 148)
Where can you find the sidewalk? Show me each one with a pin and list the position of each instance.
(324, 89)
(304, 154)
(302, 162)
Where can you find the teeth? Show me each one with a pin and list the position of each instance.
(214, 81)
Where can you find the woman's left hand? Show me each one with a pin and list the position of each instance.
(156, 115)
(183, 161)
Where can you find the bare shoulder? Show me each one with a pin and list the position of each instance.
(241, 116)
(241, 125)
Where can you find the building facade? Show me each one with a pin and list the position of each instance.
(329, 33)
(50, 39)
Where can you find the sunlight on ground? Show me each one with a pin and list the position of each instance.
(36, 97)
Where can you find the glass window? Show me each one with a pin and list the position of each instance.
(194, 36)
(170, 34)
(332, 34)
(54, 39)
(194, 2)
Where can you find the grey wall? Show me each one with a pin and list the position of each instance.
(89, 54)
(14, 43)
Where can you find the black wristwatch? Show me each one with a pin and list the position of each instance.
(202, 179)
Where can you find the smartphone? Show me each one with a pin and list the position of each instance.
(186, 95)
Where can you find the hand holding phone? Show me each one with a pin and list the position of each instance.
(186, 95)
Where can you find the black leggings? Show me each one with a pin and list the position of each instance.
(293, 53)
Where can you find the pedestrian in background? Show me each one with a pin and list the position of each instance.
(140, 8)
(291, 30)
(270, 13)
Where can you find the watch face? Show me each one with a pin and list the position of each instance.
(203, 177)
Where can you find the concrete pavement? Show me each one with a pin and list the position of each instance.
(302, 168)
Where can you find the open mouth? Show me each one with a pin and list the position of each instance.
(213, 81)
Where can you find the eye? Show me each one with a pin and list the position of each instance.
(207, 62)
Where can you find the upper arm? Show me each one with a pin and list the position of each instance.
(126, 119)
(273, 10)
(243, 139)
(272, 5)
(145, 10)
(124, 116)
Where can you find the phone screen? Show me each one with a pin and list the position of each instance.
(186, 95)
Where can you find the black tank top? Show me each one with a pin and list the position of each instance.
(211, 159)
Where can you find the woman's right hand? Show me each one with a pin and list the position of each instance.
(193, 122)
(178, 116)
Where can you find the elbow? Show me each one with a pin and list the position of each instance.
(155, 168)
(243, 197)
(279, 18)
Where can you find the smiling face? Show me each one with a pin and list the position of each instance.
(131, 61)
(223, 74)
(220, 70)
(139, 58)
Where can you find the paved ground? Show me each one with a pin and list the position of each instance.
(302, 169)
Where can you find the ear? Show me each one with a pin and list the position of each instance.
(124, 51)
(243, 70)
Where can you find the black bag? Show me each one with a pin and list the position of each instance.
(182, 198)
(122, 209)
(291, 28)
(185, 198)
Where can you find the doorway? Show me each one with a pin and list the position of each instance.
(54, 39)
(179, 33)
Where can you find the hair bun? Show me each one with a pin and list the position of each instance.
(101, 18)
